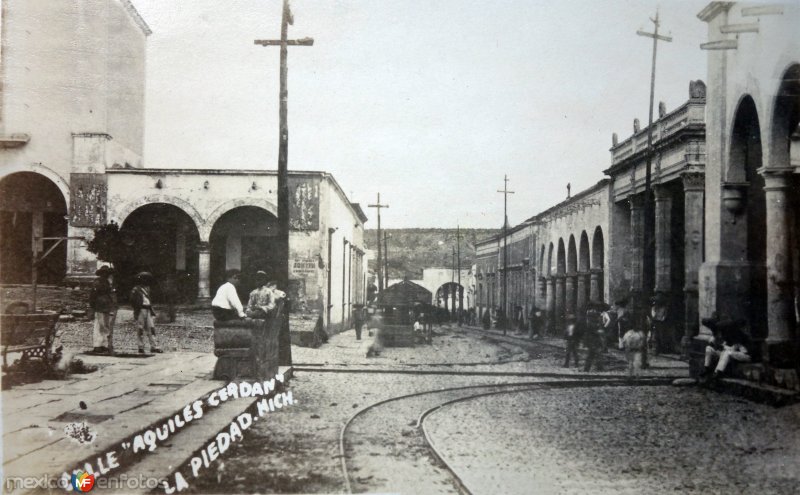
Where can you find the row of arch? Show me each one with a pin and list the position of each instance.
(203, 225)
(166, 236)
(573, 257)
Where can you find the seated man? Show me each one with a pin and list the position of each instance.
(226, 304)
(263, 298)
(729, 342)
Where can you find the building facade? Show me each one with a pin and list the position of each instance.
(555, 261)
(661, 246)
(751, 268)
(72, 116)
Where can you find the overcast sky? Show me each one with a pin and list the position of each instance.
(428, 102)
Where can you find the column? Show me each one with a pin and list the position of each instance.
(569, 294)
(550, 283)
(663, 238)
(542, 292)
(596, 284)
(780, 343)
(560, 289)
(637, 241)
(694, 199)
(637, 257)
(204, 270)
(583, 285)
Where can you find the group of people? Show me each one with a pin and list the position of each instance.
(226, 304)
(103, 306)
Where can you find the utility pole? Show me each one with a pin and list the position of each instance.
(505, 192)
(649, 215)
(459, 289)
(282, 246)
(378, 205)
(453, 288)
(385, 260)
(458, 267)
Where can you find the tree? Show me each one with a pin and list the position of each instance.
(108, 244)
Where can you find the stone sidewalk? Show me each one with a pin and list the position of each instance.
(53, 427)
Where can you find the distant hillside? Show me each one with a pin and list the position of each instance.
(411, 250)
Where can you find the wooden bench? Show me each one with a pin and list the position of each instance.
(30, 334)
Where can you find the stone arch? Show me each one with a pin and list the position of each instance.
(598, 249)
(785, 120)
(32, 207)
(163, 239)
(572, 255)
(40, 169)
(561, 258)
(583, 253)
(205, 232)
(744, 216)
(120, 215)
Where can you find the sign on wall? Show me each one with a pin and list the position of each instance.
(88, 200)
(303, 203)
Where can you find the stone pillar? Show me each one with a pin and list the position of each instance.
(583, 279)
(693, 193)
(780, 343)
(569, 294)
(542, 294)
(550, 283)
(637, 242)
(560, 289)
(204, 271)
(663, 213)
(595, 286)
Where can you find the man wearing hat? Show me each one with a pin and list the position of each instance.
(143, 311)
(263, 298)
(103, 303)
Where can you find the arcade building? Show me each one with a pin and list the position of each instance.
(71, 146)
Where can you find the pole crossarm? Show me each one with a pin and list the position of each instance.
(300, 42)
(654, 35)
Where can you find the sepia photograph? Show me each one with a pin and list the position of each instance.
(508, 247)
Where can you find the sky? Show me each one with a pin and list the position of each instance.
(429, 102)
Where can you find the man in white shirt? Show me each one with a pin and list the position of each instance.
(226, 304)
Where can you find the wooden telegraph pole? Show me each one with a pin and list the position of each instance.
(458, 267)
(378, 206)
(505, 192)
(282, 246)
(648, 281)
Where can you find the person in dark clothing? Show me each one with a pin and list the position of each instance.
(593, 337)
(103, 305)
(572, 334)
(358, 320)
(487, 319)
(536, 322)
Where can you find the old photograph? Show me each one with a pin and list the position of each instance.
(400, 246)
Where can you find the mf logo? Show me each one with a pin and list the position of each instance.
(82, 481)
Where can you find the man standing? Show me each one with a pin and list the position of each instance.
(143, 311)
(103, 303)
(226, 304)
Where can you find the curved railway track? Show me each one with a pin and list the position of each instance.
(394, 429)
